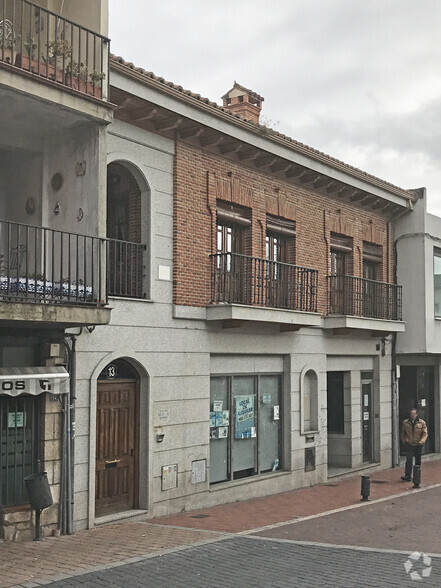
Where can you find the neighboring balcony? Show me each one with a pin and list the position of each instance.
(52, 276)
(54, 49)
(364, 304)
(247, 288)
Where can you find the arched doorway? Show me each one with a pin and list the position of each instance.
(124, 232)
(117, 446)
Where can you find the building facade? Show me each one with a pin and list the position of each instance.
(249, 347)
(418, 239)
(212, 304)
(54, 99)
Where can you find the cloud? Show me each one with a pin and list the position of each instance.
(358, 80)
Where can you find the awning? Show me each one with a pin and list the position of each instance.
(34, 380)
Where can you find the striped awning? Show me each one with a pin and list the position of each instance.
(34, 380)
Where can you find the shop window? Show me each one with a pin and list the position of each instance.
(309, 392)
(336, 402)
(245, 426)
(437, 281)
(18, 446)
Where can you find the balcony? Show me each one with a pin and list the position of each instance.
(60, 275)
(250, 288)
(53, 49)
(125, 264)
(364, 304)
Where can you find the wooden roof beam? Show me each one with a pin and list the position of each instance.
(168, 124)
(142, 114)
(188, 132)
(230, 147)
(210, 139)
(265, 160)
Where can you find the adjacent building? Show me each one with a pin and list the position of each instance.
(53, 156)
(418, 245)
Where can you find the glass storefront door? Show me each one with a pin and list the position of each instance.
(245, 426)
(269, 423)
(244, 451)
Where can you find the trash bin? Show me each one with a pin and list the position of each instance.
(39, 492)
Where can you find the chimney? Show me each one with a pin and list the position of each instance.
(245, 102)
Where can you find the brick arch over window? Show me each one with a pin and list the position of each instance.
(123, 204)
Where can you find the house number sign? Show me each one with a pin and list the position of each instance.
(111, 371)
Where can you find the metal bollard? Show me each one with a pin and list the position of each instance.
(416, 476)
(365, 487)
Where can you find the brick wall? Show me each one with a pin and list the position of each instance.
(202, 178)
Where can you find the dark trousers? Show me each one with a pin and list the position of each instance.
(412, 451)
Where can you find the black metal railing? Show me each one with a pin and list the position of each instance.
(348, 295)
(125, 268)
(41, 42)
(38, 264)
(242, 279)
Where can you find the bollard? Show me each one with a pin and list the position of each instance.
(365, 487)
(416, 476)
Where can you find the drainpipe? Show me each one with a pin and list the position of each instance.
(68, 442)
(71, 432)
(394, 379)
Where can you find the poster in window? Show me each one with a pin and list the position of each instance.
(219, 419)
(244, 417)
(225, 418)
(212, 419)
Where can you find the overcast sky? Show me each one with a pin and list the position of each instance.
(360, 80)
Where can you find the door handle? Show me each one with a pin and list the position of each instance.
(113, 461)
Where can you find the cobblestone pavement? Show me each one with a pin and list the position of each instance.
(245, 562)
(405, 523)
(376, 524)
(36, 560)
(251, 514)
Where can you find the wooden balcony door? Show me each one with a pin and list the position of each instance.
(116, 447)
(232, 266)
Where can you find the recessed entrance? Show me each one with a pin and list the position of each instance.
(116, 481)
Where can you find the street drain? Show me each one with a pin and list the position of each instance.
(378, 481)
(201, 516)
(331, 485)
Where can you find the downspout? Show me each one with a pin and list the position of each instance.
(394, 379)
(71, 432)
(68, 447)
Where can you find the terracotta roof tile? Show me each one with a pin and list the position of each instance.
(267, 130)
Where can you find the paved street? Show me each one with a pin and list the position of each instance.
(406, 523)
(290, 539)
(245, 561)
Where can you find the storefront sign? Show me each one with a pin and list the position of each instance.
(244, 420)
(16, 420)
(34, 381)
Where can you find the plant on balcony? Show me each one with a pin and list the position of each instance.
(59, 48)
(31, 46)
(97, 76)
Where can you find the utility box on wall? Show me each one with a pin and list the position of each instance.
(169, 477)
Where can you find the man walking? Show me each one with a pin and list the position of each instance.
(413, 435)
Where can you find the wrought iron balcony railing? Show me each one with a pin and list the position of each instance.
(125, 265)
(250, 280)
(46, 265)
(348, 295)
(42, 43)
(38, 264)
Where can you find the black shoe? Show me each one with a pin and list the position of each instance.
(406, 478)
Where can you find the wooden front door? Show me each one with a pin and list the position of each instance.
(116, 453)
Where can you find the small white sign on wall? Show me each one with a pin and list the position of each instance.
(164, 272)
